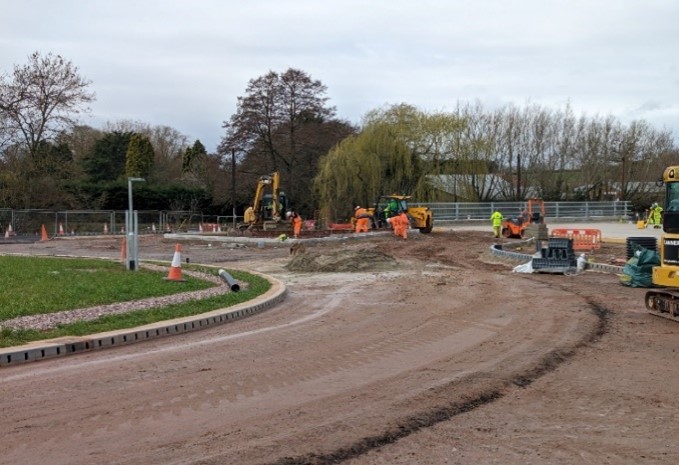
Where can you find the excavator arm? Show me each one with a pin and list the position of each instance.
(275, 184)
(252, 213)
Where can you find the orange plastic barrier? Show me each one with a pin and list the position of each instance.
(583, 239)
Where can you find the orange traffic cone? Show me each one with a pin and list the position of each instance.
(43, 234)
(175, 273)
(61, 229)
(123, 250)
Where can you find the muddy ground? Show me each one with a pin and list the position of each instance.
(425, 351)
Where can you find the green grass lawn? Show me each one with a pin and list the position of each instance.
(37, 285)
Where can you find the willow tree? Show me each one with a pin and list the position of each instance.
(398, 151)
(363, 167)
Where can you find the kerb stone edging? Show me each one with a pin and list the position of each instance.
(52, 348)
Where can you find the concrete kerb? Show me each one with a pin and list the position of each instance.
(59, 347)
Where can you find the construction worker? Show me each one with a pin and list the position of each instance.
(655, 215)
(362, 219)
(296, 224)
(400, 223)
(496, 219)
(524, 217)
(391, 209)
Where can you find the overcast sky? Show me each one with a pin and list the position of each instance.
(183, 63)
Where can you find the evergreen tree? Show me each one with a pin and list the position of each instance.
(106, 161)
(139, 157)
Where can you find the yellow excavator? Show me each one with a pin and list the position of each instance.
(268, 208)
(665, 302)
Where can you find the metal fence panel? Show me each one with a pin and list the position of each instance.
(91, 222)
(465, 211)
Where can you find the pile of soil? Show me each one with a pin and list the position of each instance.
(357, 260)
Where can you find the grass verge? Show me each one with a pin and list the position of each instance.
(37, 285)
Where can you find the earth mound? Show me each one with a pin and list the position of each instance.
(342, 261)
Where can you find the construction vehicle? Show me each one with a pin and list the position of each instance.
(665, 302)
(387, 206)
(268, 208)
(533, 214)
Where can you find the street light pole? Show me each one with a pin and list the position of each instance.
(131, 228)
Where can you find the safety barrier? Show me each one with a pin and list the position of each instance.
(583, 239)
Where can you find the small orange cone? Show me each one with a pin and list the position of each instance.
(123, 250)
(43, 234)
(175, 273)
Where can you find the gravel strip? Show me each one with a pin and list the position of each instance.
(51, 320)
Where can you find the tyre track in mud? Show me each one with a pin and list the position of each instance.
(418, 421)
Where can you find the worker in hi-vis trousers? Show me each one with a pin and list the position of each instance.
(496, 219)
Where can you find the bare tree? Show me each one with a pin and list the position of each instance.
(40, 99)
(278, 126)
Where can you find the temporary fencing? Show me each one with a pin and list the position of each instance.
(97, 222)
(583, 239)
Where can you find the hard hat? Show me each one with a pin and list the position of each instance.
(357, 207)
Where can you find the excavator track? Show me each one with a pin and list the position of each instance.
(663, 303)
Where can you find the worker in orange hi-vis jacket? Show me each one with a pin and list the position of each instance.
(362, 219)
(400, 223)
(296, 224)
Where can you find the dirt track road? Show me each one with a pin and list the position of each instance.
(446, 359)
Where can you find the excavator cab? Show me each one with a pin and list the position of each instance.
(271, 212)
(665, 302)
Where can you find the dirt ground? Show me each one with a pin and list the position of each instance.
(425, 351)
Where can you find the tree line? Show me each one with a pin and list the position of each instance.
(283, 122)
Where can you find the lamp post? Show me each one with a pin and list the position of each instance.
(131, 228)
